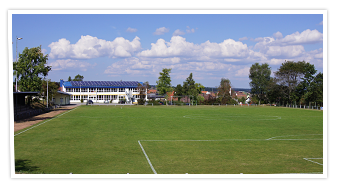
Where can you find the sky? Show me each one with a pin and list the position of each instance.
(136, 47)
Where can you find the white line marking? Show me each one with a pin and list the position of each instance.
(273, 138)
(269, 139)
(308, 159)
(45, 121)
(147, 158)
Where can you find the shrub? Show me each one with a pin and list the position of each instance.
(141, 101)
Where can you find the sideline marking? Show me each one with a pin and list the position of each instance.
(269, 139)
(45, 121)
(147, 158)
(308, 159)
(228, 117)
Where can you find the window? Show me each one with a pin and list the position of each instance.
(121, 90)
(135, 90)
(84, 89)
(100, 90)
(114, 89)
(92, 90)
(68, 89)
(121, 97)
(107, 89)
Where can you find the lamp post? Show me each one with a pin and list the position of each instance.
(16, 59)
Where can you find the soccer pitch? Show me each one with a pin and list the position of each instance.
(174, 140)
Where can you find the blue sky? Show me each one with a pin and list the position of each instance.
(136, 47)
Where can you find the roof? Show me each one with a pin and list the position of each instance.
(26, 93)
(64, 93)
(101, 84)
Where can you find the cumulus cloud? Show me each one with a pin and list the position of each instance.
(278, 35)
(128, 65)
(131, 30)
(160, 31)
(70, 64)
(178, 46)
(89, 47)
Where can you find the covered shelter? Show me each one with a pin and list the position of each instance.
(62, 98)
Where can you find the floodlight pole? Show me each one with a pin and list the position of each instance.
(16, 59)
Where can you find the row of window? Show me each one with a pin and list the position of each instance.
(100, 89)
(100, 97)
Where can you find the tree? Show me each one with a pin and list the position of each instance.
(78, 77)
(69, 78)
(178, 91)
(315, 90)
(52, 88)
(260, 76)
(164, 81)
(224, 89)
(189, 87)
(199, 87)
(289, 75)
(142, 88)
(30, 68)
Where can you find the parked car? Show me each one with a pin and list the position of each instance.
(106, 102)
(90, 102)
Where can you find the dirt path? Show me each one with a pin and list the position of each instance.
(22, 124)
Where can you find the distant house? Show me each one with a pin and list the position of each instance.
(62, 98)
(240, 94)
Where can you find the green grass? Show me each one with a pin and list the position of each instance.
(233, 140)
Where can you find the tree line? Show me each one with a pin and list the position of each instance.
(295, 83)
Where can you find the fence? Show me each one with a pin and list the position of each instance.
(23, 112)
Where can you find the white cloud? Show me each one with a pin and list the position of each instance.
(278, 35)
(89, 47)
(70, 64)
(244, 72)
(243, 39)
(178, 32)
(178, 46)
(160, 31)
(188, 30)
(307, 36)
(131, 30)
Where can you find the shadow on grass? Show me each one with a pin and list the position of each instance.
(25, 166)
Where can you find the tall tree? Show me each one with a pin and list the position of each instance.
(224, 90)
(259, 76)
(78, 77)
(164, 81)
(178, 91)
(315, 90)
(30, 68)
(290, 75)
(69, 78)
(189, 87)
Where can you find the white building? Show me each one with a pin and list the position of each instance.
(100, 91)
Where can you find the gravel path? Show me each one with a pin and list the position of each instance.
(22, 124)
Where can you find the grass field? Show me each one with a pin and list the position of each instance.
(174, 140)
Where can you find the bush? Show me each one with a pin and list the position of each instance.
(141, 101)
(81, 100)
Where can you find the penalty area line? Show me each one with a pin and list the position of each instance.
(147, 158)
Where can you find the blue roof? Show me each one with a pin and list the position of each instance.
(101, 84)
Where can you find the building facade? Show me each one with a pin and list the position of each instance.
(100, 91)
